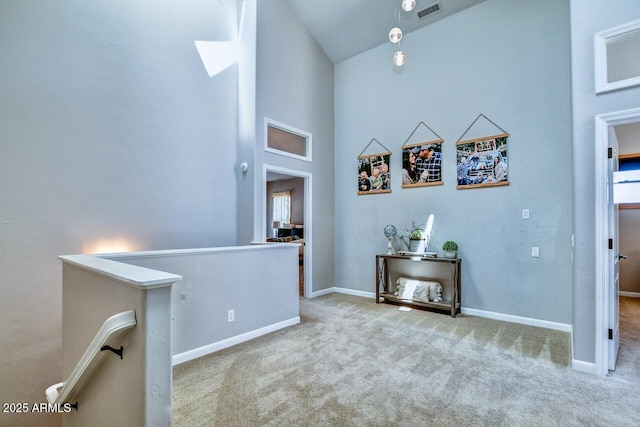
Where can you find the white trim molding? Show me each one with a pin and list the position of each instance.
(564, 327)
(602, 124)
(238, 339)
(601, 41)
(345, 291)
(322, 292)
(308, 218)
(582, 366)
(601, 238)
(284, 127)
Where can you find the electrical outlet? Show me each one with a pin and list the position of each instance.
(231, 315)
(525, 213)
(535, 252)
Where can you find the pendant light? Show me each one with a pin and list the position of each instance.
(408, 5)
(395, 35)
(399, 58)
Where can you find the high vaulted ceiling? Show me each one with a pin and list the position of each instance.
(345, 28)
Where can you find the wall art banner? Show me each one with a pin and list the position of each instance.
(482, 162)
(422, 160)
(374, 175)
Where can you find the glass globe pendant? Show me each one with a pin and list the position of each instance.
(399, 58)
(395, 35)
(408, 5)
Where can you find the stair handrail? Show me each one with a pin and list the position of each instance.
(111, 328)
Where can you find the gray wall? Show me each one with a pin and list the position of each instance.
(111, 130)
(587, 18)
(509, 60)
(260, 283)
(295, 87)
(246, 181)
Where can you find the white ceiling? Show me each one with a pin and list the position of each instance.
(345, 28)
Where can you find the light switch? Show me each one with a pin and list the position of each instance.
(525, 213)
(535, 252)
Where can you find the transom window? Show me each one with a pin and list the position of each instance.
(286, 140)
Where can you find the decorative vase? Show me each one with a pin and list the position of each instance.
(450, 254)
(414, 245)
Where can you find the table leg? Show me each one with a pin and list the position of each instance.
(454, 291)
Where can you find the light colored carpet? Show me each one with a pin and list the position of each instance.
(352, 362)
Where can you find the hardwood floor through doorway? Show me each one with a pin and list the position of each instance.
(301, 275)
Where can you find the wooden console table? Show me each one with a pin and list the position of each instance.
(444, 270)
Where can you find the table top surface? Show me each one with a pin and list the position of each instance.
(418, 257)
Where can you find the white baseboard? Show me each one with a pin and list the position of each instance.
(517, 319)
(216, 346)
(322, 292)
(363, 294)
(583, 366)
(343, 291)
(630, 294)
(471, 311)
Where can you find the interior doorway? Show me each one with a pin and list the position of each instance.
(607, 238)
(276, 178)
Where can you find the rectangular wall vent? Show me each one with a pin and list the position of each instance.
(429, 10)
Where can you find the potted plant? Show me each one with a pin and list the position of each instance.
(416, 233)
(450, 248)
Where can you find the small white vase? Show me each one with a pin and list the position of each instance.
(450, 254)
(414, 245)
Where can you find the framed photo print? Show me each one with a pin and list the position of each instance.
(422, 164)
(374, 176)
(482, 162)
(422, 160)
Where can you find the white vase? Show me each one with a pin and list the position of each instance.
(414, 245)
(450, 254)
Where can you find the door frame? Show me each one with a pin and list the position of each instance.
(308, 222)
(603, 124)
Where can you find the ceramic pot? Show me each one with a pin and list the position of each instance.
(414, 245)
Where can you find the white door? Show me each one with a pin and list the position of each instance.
(614, 266)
